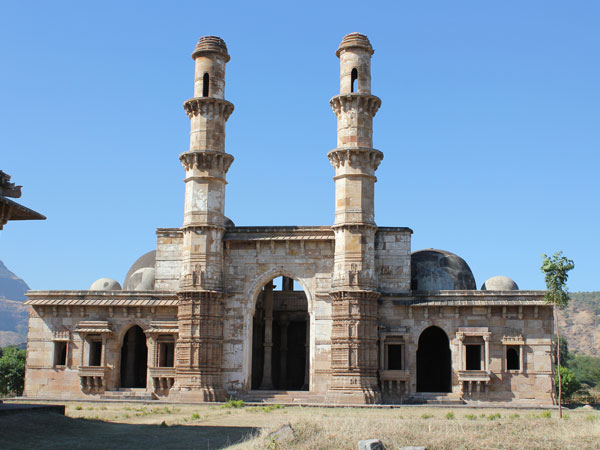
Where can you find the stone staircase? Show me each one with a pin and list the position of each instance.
(282, 397)
(128, 394)
(434, 398)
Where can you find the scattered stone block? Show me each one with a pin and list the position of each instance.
(370, 444)
(283, 433)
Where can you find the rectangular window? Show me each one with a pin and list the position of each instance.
(473, 357)
(60, 354)
(95, 358)
(513, 360)
(394, 356)
(166, 351)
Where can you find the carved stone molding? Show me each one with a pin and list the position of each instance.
(355, 102)
(354, 279)
(206, 160)
(359, 157)
(208, 106)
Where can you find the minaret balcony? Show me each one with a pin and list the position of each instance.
(359, 158)
(355, 102)
(208, 107)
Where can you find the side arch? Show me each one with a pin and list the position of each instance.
(434, 361)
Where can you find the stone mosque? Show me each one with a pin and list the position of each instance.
(334, 314)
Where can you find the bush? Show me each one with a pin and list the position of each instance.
(231, 403)
(450, 415)
(12, 371)
(570, 385)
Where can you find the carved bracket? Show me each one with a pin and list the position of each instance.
(208, 106)
(355, 157)
(355, 102)
(206, 160)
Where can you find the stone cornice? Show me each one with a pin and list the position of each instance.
(466, 298)
(101, 298)
(206, 160)
(355, 102)
(358, 157)
(208, 106)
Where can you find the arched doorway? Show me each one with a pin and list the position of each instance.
(134, 358)
(433, 361)
(280, 337)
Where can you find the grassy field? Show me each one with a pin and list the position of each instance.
(134, 425)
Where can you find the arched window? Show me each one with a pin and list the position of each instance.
(353, 78)
(205, 81)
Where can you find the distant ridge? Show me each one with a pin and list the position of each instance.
(13, 313)
(11, 286)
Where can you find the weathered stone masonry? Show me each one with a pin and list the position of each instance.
(346, 313)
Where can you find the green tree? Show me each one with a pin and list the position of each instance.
(556, 272)
(568, 381)
(12, 371)
(586, 369)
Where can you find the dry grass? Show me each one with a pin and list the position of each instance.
(203, 426)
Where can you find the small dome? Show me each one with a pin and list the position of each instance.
(105, 284)
(499, 283)
(229, 223)
(141, 280)
(146, 260)
(355, 40)
(436, 270)
(211, 44)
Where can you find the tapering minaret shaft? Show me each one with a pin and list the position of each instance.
(200, 343)
(354, 286)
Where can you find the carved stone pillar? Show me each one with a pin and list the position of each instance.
(267, 380)
(200, 345)
(283, 348)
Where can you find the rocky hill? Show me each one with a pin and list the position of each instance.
(580, 323)
(13, 314)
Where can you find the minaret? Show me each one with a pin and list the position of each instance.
(354, 286)
(200, 311)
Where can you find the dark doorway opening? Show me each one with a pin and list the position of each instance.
(433, 361)
(134, 359)
(280, 337)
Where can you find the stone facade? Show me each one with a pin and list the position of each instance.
(346, 321)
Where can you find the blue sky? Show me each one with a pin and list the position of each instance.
(489, 126)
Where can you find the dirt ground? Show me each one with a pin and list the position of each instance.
(175, 426)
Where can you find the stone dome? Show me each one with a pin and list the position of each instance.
(146, 260)
(355, 40)
(141, 280)
(433, 270)
(499, 283)
(105, 284)
(211, 44)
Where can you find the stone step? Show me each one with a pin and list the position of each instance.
(281, 397)
(434, 398)
(128, 394)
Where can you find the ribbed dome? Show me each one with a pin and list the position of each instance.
(211, 44)
(499, 283)
(437, 270)
(355, 40)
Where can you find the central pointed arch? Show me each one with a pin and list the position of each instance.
(280, 330)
